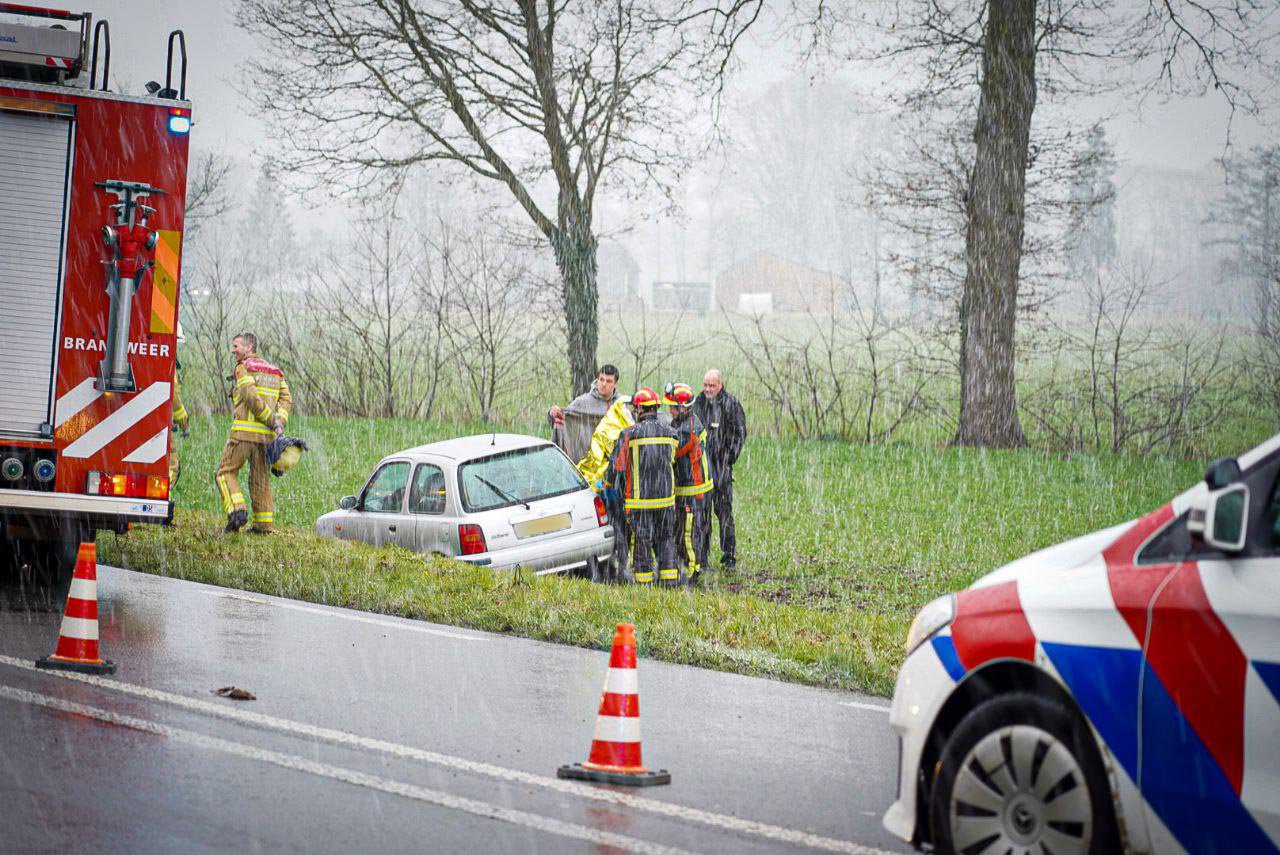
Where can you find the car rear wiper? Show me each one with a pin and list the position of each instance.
(503, 493)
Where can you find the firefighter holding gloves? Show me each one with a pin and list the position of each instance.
(262, 402)
(641, 468)
(693, 482)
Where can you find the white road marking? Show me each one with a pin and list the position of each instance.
(297, 607)
(861, 705)
(349, 776)
(585, 791)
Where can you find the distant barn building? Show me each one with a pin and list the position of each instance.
(763, 283)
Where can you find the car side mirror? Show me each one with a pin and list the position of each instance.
(347, 502)
(1222, 472)
(1226, 518)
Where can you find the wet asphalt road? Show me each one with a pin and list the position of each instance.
(379, 734)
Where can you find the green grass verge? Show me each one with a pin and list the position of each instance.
(839, 545)
(714, 628)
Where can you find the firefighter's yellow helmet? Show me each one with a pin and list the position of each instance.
(287, 460)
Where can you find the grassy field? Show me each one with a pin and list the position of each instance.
(839, 545)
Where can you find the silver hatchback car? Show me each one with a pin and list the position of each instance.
(499, 500)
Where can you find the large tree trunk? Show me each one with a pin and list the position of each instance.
(993, 244)
(575, 249)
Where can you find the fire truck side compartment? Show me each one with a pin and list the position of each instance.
(35, 158)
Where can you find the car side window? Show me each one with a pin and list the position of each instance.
(385, 493)
(428, 492)
(1175, 542)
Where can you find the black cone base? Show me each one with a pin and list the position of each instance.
(628, 779)
(51, 664)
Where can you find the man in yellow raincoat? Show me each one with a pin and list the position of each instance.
(592, 466)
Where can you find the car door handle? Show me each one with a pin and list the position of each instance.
(391, 527)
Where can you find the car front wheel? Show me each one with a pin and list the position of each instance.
(1021, 774)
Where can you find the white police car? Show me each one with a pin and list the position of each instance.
(1118, 692)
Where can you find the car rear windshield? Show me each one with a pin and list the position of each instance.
(512, 477)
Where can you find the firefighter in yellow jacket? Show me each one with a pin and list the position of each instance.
(261, 402)
(181, 422)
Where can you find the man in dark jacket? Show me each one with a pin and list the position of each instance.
(726, 426)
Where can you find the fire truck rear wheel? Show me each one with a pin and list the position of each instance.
(54, 560)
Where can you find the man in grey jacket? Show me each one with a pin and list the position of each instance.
(572, 426)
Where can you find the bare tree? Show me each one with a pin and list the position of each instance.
(1123, 382)
(845, 371)
(1016, 51)
(208, 190)
(360, 337)
(650, 342)
(1247, 224)
(573, 90)
(215, 301)
(496, 314)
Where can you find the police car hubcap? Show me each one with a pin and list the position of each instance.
(1019, 788)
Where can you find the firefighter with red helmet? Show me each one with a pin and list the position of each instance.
(641, 469)
(262, 403)
(693, 483)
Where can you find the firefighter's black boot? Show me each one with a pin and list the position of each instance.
(236, 520)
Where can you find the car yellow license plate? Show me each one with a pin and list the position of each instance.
(542, 525)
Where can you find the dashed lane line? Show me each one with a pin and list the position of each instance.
(349, 776)
(585, 791)
(333, 612)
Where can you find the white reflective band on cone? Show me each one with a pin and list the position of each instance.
(85, 630)
(612, 728)
(622, 681)
(83, 589)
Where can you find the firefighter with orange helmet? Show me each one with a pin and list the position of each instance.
(641, 469)
(693, 482)
(262, 402)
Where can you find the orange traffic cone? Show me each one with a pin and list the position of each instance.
(615, 751)
(77, 648)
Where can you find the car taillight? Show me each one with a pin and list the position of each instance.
(132, 486)
(471, 539)
(602, 516)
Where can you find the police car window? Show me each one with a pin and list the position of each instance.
(427, 495)
(1175, 543)
(1271, 521)
(385, 492)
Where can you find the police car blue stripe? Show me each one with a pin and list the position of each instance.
(1185, 785)
(1104, 681)
(1270, 674)
(946, 650)
(1181, 781)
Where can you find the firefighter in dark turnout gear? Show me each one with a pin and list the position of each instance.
(693, 483)
(641, 469)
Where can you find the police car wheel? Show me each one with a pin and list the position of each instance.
(1021, 773)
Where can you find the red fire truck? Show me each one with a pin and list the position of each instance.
(92, 192)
